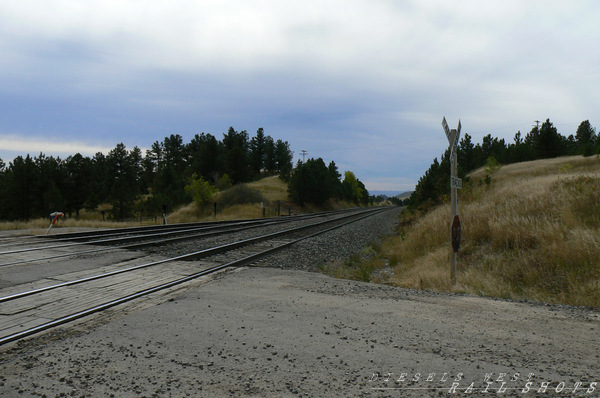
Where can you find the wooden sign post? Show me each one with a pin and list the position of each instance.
(455, 184)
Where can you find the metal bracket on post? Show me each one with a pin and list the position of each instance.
(455, 184)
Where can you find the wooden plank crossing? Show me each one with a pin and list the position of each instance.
(38, 309)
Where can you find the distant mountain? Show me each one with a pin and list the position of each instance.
(404, 195)
(389, 194)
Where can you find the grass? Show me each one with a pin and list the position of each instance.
(533, 233)
(271, 188)
(267, 190)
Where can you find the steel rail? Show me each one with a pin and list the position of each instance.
(199, 254)
(219, 230)
(119, 239)
(129, 230)
(155, 234)
(135, 245)
(101, 307)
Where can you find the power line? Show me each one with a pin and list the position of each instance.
(303, 153)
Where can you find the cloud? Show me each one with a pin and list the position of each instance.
(364, 83)
(34, 146)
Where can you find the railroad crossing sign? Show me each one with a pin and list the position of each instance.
(456, 233)
(455, 183)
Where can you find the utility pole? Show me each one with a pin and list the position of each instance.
(304, 153)
(537, 124)
(455, 184)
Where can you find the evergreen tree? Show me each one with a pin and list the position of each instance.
(169, 184)
(309, 182)
(283, 158)
(585, 134)
(270, 160)
(50, 185)
(122, 188)
(334, 182)
(78, 182)
(21, 180)
(258, 152)
(205, 153)
(549, 142)
(235, 155)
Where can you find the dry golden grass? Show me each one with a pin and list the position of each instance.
(534, 234)
(272, 188)
(190, 213)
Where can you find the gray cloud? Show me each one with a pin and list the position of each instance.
(364, 83)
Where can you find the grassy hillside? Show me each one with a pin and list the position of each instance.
(267, 191)
(532, 233)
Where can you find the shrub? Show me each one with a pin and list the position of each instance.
(239, 194)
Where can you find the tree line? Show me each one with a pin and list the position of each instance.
(314, 182)
(540, 143)
(137, 183)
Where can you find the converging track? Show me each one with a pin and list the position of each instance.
(46, 293)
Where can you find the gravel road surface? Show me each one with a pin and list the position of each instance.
(266, 332)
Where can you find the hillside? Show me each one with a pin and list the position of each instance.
(531, 232)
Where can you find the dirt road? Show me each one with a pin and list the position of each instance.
(268, 332)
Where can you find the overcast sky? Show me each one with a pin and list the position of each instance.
(364, 83)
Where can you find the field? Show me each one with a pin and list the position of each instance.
(532, 233)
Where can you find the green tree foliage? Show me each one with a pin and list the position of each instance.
(585, 138)
(585, 134)
(169, 183)
(309, 182)
(351, 188)
(78, 182)
(283, 159)
(205, 155)
(123, 184)
(270, 162)
(235, 155)
(258, 152)
(21, 179)
(201, 191)
(334, 180)
(35, 187)
(549, 142)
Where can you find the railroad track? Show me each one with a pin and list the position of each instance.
(38, 305)
(131, 238)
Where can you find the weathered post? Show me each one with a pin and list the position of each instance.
(455, 184)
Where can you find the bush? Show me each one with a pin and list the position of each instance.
(201, 191)
(238, 195)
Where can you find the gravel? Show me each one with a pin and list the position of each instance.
(268, 332)
(337, 245)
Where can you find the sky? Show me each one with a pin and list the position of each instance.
(363, 83)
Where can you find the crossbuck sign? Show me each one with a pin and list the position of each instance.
(455, 183)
